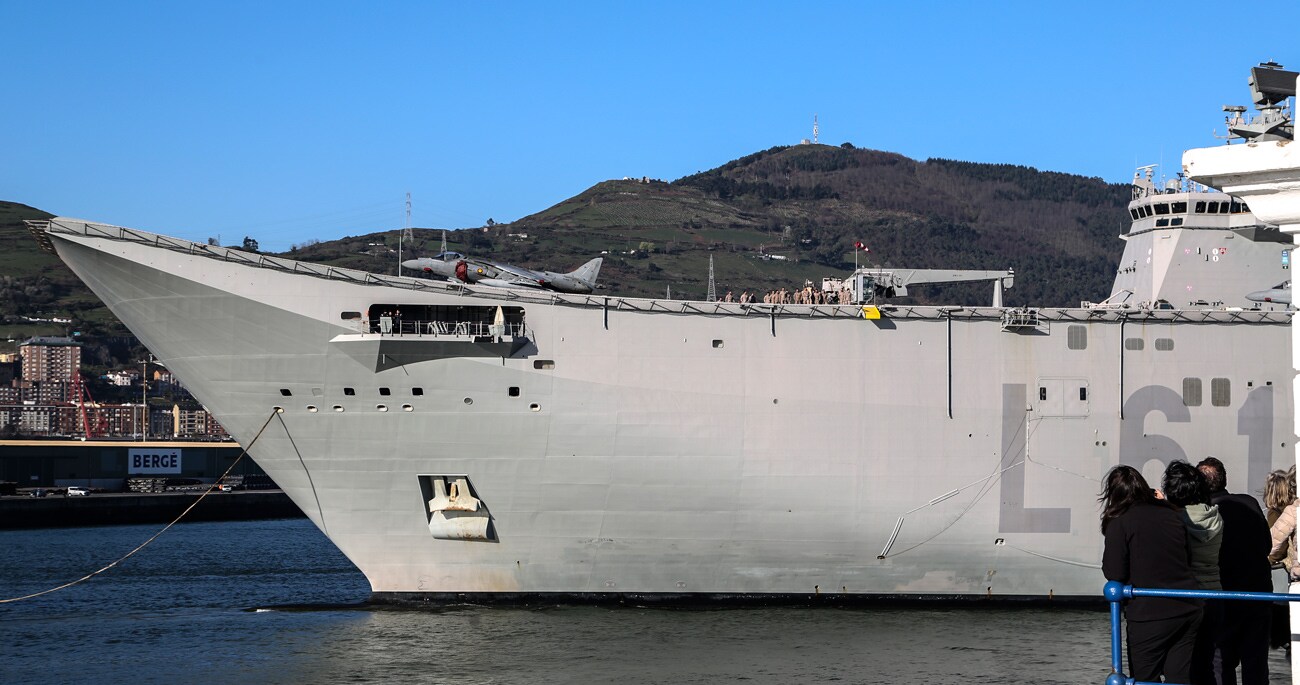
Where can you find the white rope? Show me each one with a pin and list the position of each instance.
(142, 545)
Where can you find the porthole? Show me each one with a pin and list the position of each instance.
(385, 392)
(312, 408)
(469, 400)
(338, 408)
(381, 407)
(513, 391)
(407, 407)
(417, 391)
(535, 407)
(279, 410)
(349, 391)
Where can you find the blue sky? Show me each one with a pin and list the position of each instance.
(288, 121)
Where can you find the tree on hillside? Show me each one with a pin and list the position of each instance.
(250, 244)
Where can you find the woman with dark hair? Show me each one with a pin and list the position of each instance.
(1187, 490)
(1146, 546)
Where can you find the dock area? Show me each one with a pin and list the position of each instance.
(99, 509)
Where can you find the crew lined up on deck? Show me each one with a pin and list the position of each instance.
(1193, 534)
(805, 295)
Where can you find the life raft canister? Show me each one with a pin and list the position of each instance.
(462, 271)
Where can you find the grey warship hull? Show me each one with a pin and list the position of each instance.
(509, 444)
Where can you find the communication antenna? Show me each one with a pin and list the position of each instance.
(814, 129)
(713, 291)
(405, 235)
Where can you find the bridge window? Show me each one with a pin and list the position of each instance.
(1191, 392)
(1135, 214)
(1162, 208)
(1236, 207)
(1212, 208)
(1200, 207)
(1176, 221)
(1180, 207)
(1220, 392)
(1161, 223)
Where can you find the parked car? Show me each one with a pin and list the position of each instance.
(78, 491)
(37, 492)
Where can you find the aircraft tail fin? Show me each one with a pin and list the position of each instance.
(587, 272)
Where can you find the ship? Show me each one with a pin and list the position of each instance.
(467, 443)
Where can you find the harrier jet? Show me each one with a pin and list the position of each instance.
(455, 266)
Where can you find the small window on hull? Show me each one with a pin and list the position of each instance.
(1076, 337)
(1220, 392)
(1191, 392)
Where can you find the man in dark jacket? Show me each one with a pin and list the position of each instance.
(1243, 566)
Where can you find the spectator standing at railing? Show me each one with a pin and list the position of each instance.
(1280, 500)
(1243, 566)
(1279, 494)
(1146, 546)
(1185, 487)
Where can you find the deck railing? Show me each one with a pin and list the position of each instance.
(1116, 592)
(414, 328)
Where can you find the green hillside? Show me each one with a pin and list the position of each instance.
(807, 203)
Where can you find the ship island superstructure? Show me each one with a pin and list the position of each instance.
(462, 442)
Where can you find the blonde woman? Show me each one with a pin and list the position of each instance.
(1280, 499)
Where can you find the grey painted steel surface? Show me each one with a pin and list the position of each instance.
(678, 448)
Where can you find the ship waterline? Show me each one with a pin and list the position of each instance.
(599, 447)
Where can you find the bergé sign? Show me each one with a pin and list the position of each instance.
(154, 461)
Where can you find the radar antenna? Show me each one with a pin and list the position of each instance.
(814, 129)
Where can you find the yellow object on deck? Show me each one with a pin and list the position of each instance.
(870, 312)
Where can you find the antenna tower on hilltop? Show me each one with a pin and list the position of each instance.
(713, 291)
(406, 235)
(444, 240)
(814, 129)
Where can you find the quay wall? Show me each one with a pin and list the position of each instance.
(57, 511)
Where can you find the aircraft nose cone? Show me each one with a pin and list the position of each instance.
(411, 264)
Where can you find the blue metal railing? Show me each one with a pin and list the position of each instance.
(1116, 592)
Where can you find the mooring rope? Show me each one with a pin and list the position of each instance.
(142, 545)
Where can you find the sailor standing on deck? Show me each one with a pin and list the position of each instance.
(1146, 546)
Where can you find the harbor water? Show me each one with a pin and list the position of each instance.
(275, 602)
